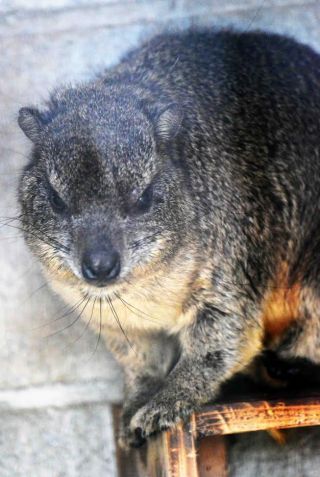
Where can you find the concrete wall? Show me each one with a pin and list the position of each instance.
(56, 386)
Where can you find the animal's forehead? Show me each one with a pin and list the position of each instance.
(99, 156)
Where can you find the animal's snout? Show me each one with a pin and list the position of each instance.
(100, 266)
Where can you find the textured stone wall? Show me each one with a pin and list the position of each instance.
(56, 386)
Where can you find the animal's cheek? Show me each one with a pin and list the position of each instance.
(139, 264)
(62, 287)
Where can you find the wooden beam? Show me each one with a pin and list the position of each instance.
(237, 417)
(173, 453)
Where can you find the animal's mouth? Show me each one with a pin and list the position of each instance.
(110, 291)
(103, 293)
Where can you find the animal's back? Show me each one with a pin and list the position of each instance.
(251, 100)
(251, 104)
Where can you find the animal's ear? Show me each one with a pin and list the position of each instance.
(31, 123)
(168, 122)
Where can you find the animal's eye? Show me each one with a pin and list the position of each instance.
(57, 204)
(143, 204)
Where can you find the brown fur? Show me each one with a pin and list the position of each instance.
(281, 306)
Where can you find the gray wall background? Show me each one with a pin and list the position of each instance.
(56, 386)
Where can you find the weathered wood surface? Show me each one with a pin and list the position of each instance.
(173, 453)
(237, 417)
(212, 457)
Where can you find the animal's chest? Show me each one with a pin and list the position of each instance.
(135, 312)
(142, 308)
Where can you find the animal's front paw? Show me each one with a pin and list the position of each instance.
(158, 415)
(126, 438)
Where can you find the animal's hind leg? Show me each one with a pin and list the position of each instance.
(295, 357)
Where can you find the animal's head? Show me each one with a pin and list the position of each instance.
(103, 199)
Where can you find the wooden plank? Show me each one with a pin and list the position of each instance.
(212, 457)
(237, 417)
(173, 453)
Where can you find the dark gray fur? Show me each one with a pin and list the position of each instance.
(227, 126)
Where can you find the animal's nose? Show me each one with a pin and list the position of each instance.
(100, 266)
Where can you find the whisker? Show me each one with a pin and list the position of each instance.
(72, 323)
(116, 317)
(70, 310)
(100, 325)
(45, 284)
(49, 240)
(15, 151)
(9, 220)
(135, 310)
(144, 240)
(87, 324)
(255, 16)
